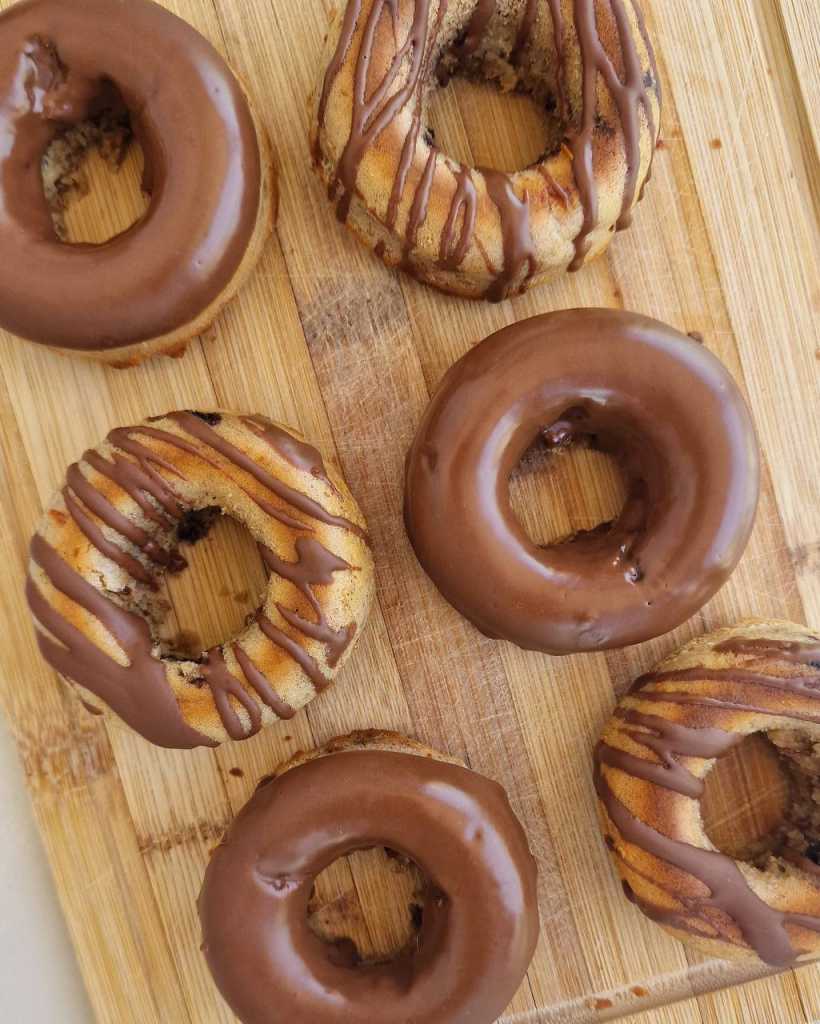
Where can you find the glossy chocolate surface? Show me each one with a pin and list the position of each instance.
(58, 63)
(663, 406)
(480, 918)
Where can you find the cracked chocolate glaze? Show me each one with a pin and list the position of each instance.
(662, 406)
(479, 921)
(61, 64)
(157, 468)
(685, 736)
(609, 60)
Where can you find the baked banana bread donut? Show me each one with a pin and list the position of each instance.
(114, 527)
(69, 74)
(479, 919)
(657, 750)
(660, 404)
(472, 231)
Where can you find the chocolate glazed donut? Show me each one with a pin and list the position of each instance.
(656, 752)
(478, 232)
(479, 922)
(660, 404)
(207, 171)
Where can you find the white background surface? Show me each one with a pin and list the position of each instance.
(39, 979)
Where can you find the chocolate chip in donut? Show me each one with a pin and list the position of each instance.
(652, 765)
(475, 231)
(114, 528)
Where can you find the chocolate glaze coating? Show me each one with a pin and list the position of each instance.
(480, 918)
(57, 63)
(114, 528)
(662, 405)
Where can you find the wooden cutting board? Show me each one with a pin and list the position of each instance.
(326, 339)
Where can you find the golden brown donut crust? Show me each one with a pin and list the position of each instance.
(363, 739)
(411, 203)
(113, 528)
(756, 677)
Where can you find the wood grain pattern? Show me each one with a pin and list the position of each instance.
(325, 339)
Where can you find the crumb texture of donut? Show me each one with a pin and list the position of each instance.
(756, 678)
(480, 233)
(475, 911)
(115, 527)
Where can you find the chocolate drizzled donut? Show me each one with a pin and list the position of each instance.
(114, 528)
(651, 764)
(479, 913)
(473, 231)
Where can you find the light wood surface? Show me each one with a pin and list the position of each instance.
(326, 339)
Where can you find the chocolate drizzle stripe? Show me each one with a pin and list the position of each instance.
(557, 16)
(315, 566)
(305, 661)
(762, 927)
(202, 432)
(420, 207)
(800, 686)
(675, 697)
(421, 200)
(628, 97)
(351, 17)
(298, 453)
(634, 96)
(806, 652)
(516, 232)
(139, 690)
(525, 29)
(453, 250)
(223, 685)
(138, 485)
(97, 503)
(97, 538)
(477, 26)
(148, 479)
(369, 119)
(261, 685)
(667, 740)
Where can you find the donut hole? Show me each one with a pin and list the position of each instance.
(223, 584)
(477, 124)
(761, 802)
(368, 906)
(558, 494)
(93, 174)
(745, 800)
(497, 84)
